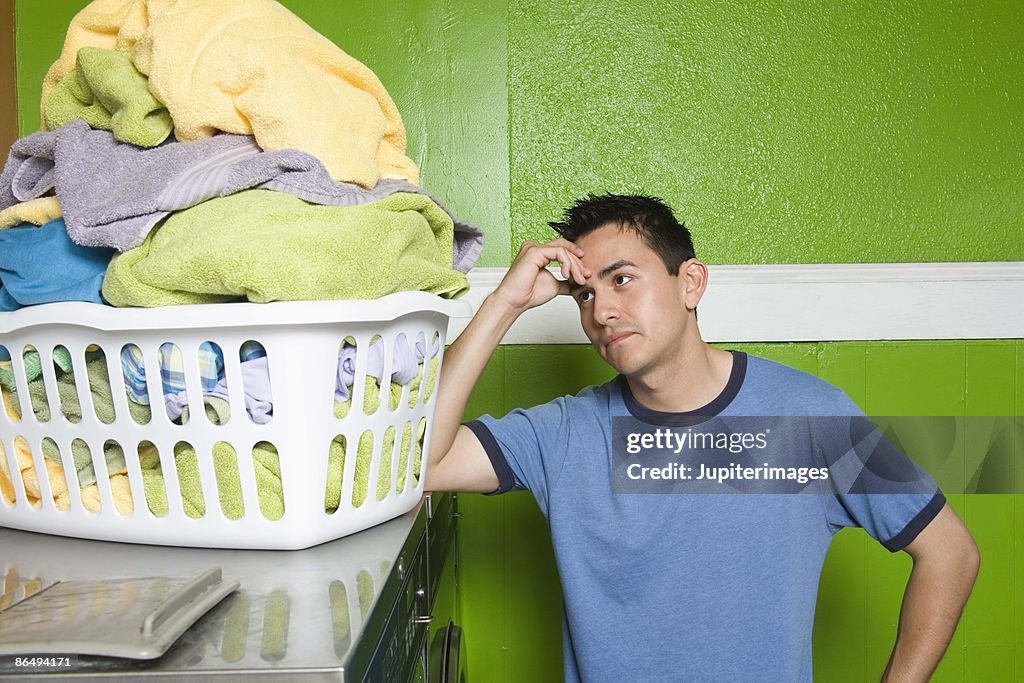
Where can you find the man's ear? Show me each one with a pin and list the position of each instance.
(693, 280)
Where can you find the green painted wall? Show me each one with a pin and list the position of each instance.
(783, 132)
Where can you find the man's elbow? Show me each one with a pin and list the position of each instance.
(965, 555)
(971, 558)
(962, 559)
(947, 545)
(435, 479)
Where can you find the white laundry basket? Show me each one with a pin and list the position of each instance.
(302, 342)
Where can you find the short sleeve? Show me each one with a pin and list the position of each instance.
(874, 484)
(526, 447)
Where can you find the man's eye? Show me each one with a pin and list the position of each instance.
(622, 279)
(584, 297)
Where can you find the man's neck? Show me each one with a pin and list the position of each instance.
(697, 376)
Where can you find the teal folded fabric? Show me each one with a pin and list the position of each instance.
(266, 246)
(40, 265)
(106, 91)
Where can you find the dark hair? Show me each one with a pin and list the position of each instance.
(650, 217)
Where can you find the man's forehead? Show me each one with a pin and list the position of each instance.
(611, 242)
(613, 230)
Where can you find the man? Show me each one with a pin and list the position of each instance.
(684, 586)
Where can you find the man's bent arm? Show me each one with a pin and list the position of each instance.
(464, 361)
(946, 562)
(457, 461)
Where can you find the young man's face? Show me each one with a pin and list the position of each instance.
(631, 309)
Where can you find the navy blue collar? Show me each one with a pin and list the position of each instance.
(689, 417)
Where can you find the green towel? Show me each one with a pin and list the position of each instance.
(271, 246)
(107, 91)
(229, 487)
(364, 452)
(33, 366)
(225, 468)
(218, 411)
(103, 402)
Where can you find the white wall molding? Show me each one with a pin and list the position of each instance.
(818, 302)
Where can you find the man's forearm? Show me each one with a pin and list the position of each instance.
(932, 604)
(527, 284)
(464, 361)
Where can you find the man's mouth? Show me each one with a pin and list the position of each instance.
(616, 338)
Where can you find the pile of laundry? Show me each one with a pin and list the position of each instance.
(202, 151)
(208, 151)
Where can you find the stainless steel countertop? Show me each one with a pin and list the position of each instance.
(300, 611)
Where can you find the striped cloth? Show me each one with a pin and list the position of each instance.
(172, 369)
(207, 177)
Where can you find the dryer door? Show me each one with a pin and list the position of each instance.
(455, 663)
(448, 655)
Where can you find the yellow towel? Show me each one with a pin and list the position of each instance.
(6, 485)
(255, 68)
(54, 472)
(119, 486)
(35, 211)
(120, 491)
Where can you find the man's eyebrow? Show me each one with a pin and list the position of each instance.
(605, 272)
(609, 269)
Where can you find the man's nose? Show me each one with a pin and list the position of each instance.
(605, 308)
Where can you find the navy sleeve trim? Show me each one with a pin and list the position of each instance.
(506, 478)
(916, 525)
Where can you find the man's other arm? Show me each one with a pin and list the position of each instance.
(946, 562)
(457, 460)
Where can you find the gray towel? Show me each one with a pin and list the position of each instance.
(113, 193)
(28, 172)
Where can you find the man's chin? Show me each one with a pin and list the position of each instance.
(620, 364)
(619, 361)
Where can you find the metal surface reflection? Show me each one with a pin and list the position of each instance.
(295, 610)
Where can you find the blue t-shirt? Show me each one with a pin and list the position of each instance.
(706, 586)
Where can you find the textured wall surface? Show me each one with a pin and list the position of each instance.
(8, 78)
(783, 132)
